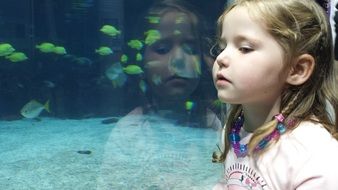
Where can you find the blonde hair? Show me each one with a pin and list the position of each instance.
(299, 26)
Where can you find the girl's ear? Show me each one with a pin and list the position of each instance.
(301, 69)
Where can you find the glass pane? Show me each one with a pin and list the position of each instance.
(108, 94)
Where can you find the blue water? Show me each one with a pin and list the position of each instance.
(153, 154)
(69, 147)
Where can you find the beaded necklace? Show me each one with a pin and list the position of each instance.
(241, 150)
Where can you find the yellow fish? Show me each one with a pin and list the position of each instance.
(110, 30)
(153, 19)
(104, 50)
(133, 69)
(124, 58)
(59, 50)
(17, 57)
(139, 57)
(6, 49)
(46, 47)
(135, 44)
(152, 36)
(33, 109)
(189, 105)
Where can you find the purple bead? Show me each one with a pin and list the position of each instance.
(279, 117)
(275, 134)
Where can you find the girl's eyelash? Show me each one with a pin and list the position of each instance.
(245, 49)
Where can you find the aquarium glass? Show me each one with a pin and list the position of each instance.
(108, 94)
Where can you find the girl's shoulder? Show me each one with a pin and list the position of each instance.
(305, 158)
(311, 137)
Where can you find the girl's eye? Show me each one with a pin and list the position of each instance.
(162, 48)
(245, 49)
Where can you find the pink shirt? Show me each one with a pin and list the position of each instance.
(304, 159)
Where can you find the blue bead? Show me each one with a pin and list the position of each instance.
(281, 128)
(234, 137)
(263, 143)
(243, 147)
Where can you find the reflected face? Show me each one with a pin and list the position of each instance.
(250, 68)
(172, 63)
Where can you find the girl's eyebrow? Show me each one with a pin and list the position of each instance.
(239, 38)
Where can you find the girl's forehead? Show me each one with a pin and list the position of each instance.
(174, 19)
(238, 20)
(175, 23)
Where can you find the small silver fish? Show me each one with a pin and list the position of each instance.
(33, 109)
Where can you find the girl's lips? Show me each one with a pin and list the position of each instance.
(221, 80)
(176, 80)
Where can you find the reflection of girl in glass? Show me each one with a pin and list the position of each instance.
(174, 70)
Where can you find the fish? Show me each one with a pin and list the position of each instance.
(33, 109)
(124, 58)
(84, 151)
(133, 69)
(104, 50)
(46, 47)
(189, 105)
(142, 86)
(135, 44)
(49, 84)
(152, 36)
(6, 49)
(139, 57)
(116, 75)
(153, 19)
(113, 71)
(60, 50)
(83, 61)
(17, 57)
(110, 30)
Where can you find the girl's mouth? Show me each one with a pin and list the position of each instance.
(221, 80)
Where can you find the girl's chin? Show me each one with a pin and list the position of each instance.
(227, 100)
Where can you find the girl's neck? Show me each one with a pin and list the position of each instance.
(256, 116)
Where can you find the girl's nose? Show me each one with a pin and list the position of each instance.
(223, 59)
(178, 53)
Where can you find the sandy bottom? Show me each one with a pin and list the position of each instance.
(148, 154)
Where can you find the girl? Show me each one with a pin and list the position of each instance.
(275, 67)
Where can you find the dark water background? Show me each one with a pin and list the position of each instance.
(74, 83)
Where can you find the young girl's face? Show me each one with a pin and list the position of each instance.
(172, 63)
(250, 68)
